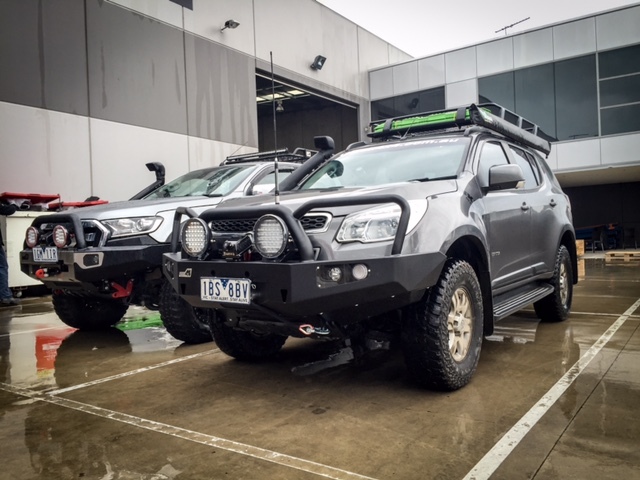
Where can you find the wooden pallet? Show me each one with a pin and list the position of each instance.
(626, 255)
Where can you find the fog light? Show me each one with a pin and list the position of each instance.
(360, 271)
(60, 236)
(335, 274)
(31, 237)
(195, 237)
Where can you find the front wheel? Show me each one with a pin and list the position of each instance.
(442, 334)
(181, 320)
(88, 313)
(556, 306)
(244, 345)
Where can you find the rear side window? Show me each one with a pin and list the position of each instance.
(528, 170)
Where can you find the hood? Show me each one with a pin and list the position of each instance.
(294, 199)
(141, 208)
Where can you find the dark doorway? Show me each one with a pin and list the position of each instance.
(301, 114)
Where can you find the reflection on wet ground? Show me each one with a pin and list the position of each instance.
(133, 402)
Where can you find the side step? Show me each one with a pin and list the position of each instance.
(509, 303)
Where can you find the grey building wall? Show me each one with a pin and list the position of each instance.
(91, 90)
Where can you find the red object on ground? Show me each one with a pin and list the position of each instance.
(57, 205)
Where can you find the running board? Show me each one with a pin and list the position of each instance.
(512, 304)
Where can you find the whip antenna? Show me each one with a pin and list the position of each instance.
(275, 132)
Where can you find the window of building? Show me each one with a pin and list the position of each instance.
(410, 103)
(576, 90)
(498, 89)
(620, 90)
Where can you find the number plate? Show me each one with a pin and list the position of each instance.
(45, 254)
(228, 290)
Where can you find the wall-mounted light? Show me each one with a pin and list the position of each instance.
(318, 63)
(230, 24)
(279, 106)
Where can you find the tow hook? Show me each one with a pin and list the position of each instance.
(121, 291)
(308, 329)
(46, 272)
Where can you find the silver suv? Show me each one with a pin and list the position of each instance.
(449, 222)
(98, 260)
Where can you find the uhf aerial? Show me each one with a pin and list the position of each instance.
(275, 134)
(513, 24)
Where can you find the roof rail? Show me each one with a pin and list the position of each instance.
(488, 115)
(283, 154)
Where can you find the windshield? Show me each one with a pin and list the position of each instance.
(422, 160)
(212, 182)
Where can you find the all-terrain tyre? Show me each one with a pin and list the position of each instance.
(442, 333)
(556, 306)
(182, 321)
(88, 313)
(243, 345)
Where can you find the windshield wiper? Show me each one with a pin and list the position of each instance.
(429, 179)
(214, 195)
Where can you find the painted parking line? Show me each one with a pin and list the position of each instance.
(501, 450)
(196, 437)
(131, 372)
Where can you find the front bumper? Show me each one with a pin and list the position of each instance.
(293, 290)
(92, 265)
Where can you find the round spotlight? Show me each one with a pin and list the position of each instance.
(60, 236)
(195, 237)
(360, 271)
(32, 236)
(270, 236)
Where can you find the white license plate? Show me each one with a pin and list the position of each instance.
(228, 290)
(45, 254)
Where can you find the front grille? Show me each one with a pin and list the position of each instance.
(310, 222)
(93, 235)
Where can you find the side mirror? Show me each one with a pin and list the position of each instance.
(505, 177)
(262, 189)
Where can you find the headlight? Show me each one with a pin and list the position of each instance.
(270, 236)
(195, 237)
(373, 225)
(32, 236)
(123, 227)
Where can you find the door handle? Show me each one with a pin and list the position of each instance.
(524, 206)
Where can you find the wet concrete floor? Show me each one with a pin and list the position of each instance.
(549, 401)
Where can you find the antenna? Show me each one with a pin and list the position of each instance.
(513, 24)
(275, 132)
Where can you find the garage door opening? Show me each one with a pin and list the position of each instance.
(301, 114)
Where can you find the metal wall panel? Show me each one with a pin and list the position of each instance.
(42, 55)
(495, 57)
(533, 48)
(208, 17)
(461, 93)
(165, 11)
(431, 72)
(44, 151)
(621, 149)
(118, 167)
(221, 93)
(205, 153)
(617, 29)
(136, 69)
(460, 65)
(574, 38)
(405, 78)
(580, 155)
(372, 53)
(381, 83)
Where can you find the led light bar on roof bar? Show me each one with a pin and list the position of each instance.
(488, 115)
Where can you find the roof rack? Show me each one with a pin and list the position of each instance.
(298, 155)
(488, 115)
